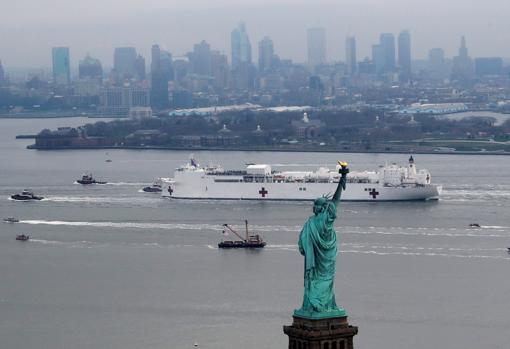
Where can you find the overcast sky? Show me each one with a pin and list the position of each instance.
(29, 28)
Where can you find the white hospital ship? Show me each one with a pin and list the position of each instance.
(260, 182)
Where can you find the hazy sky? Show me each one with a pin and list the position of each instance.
(29, 28)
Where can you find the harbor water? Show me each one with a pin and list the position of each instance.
(109, 266)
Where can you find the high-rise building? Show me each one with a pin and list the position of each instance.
(167, 64)
(155, 58)
(242, 66)
(462, 69)
(266, 54)
(140, 68)
(2, 74)
(404, 56)
(61, 65)
(316, 44)
(124, 63)
(378, 59)
(119, 100)
(487, 66)
(90, 68)
(387, 42)
(350, 55)
(200, 59)
(241, 46)
(161, 71)
(437, 66)
(219, 69)
(436, 58)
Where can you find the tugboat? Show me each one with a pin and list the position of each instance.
(88, 179)
(26, 195)
(11, 220)
(156, 187)
(249, 241)
(22, 237)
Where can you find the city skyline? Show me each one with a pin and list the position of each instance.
(393, 39)
(99, 33)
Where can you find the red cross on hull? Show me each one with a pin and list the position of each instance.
(373, 193)
(263, 192)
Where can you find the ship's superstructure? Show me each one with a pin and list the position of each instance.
(260, 182)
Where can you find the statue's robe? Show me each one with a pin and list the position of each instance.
(317, 242)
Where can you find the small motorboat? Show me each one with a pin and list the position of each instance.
(26, 195)
(11, 220)
(156, 187)
(108, 160)
(249, 241)
(474, 225)
(22, 237)
(88, 179)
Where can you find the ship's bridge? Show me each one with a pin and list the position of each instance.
(259, 169)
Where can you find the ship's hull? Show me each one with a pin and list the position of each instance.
(200, 186)
(152, 190)
(87, 182)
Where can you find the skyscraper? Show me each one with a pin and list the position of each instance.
(200, 59)
(242, 66)
(124, 62)
(2, 74)
(488, 66)
(378, 59)
(90, 68)
(387, 42)
(404, 56)
(462, 69)
(219, 69)
(438, 69)
(155, 58)
(316, 44)
(140, 68)
(241, 46)
(61, 65)
(350, 55)
(159, 78)
(167, 64)
(266, 54)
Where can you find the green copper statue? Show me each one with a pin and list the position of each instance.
(317, 242)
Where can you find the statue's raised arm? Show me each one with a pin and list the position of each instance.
(342, 182)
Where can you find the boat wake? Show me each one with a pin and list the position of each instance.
(128, 225)
(477, 193)
(105, 200)
(119, 183)
(413, 251)
(348, 248)
(492, 231)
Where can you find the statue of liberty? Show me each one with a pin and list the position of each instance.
(317, 243)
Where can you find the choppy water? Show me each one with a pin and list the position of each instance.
(109, 266)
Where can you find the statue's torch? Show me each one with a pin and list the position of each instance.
(343, 170)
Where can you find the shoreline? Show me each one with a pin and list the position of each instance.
(280, 150)
(64, 116)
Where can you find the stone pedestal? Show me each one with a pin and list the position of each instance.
(329, 333)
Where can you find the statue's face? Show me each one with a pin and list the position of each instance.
(318, 205)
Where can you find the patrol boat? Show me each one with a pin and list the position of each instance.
(259, 182)
(88, 179)
(26, 195)
(156, 187)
